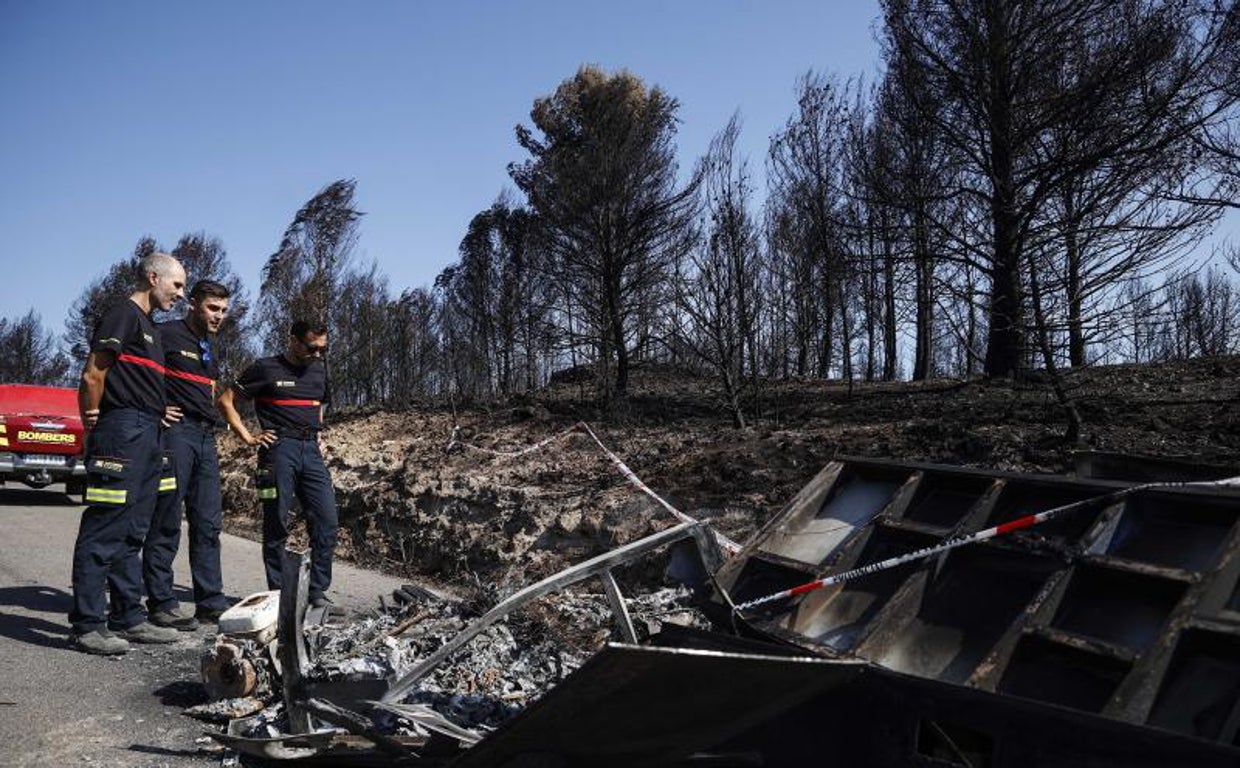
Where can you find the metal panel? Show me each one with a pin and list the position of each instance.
(637, 706)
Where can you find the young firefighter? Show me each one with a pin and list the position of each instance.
(189, 440)
(122, 400)
(289, 393)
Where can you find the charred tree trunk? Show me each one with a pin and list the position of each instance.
(971, 333)
(889, 313)
(871, 305)
(923, 360)
(1003, 346)
(622, 352)
(731, 390)
(846, 361)
(1072, 253)
(828, 326)
(1073, 434)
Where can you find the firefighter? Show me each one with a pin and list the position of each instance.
(121, 396)
(194, 480)
(290, 391)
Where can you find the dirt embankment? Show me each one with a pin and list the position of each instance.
(408, 505)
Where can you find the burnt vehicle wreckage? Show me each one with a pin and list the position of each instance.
(890, 615)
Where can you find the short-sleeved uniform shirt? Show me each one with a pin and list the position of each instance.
(191, 370)
(286, 397)
(136, 378)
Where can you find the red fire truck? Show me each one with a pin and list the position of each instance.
(41, 437)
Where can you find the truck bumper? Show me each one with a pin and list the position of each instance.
(37, 471)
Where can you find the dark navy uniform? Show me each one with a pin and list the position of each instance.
(194, 480)
(123, 466)
(288, 399)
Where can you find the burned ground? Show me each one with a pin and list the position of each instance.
(411, 507)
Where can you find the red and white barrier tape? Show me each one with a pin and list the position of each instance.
(726, 543)
(989, 533)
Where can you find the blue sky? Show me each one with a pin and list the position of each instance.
(128, 118)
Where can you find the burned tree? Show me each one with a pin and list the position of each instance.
(523, 324)
(361, 318)
(915, 192)
(873, 170)
(303, 278)
(602, 179)
(29, 353)
(414, 362)
(718, 293)
(470, 290)
(805, 175)
(1003, 75)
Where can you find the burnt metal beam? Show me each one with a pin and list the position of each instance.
(623, 621)
(294, 660)
(358, 725)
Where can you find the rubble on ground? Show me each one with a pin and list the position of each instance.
(509, 666)
(1129, 586)
(409, 506)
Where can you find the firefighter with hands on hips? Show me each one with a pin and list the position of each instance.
(189, 442)
(121, 396)
(290, 391)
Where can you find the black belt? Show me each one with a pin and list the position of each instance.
(205, 422)
(298, 433)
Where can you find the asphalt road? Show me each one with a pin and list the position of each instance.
(60, 707)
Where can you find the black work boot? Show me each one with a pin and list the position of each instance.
(148, 634)
(173, 619)
(100, 642)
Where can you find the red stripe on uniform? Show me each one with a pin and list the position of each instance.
(189, 376)
(1016, 525)
(289, 401)
(144, 361)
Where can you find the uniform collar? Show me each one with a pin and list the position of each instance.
(189, 327)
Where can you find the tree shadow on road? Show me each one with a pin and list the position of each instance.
(35, 630)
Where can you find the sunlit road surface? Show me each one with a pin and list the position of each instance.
(60, 707)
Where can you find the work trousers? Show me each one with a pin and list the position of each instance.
(293, 468)
(190, 446)
(123, 465)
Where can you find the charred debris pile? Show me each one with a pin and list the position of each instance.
(1107, 635)
(422, 671)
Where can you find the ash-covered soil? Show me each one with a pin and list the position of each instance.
(410, 506)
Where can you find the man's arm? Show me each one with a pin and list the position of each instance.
(90, 388)
(228, 410)
(106, 344)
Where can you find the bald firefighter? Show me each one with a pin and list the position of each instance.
(121, 396)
